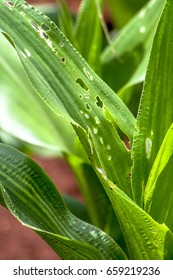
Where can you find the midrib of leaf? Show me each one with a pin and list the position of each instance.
(56, 83)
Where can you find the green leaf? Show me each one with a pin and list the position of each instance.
(130, 48)
(145, 238)
(70, 87)
(159, 188)
(89, 39)
(66, 22)
(33, 199)
(155, 113)
(23, 114)
(122, 10)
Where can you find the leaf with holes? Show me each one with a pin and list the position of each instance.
(70, 87)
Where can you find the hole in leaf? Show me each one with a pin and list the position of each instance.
(61, 44)
(99, 103)
(63, 59)
(45, 35)
(45, 27)
(9, 4)
(88, 107)
(34, 25)
(82, 84)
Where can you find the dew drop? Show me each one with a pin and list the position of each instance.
(87, 73)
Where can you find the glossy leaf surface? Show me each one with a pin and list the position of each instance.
(33, 199)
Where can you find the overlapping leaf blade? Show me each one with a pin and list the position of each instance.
(130, 48)
(158, 190)
(34, 200)
(123, 10)
(89, 39)
(69, 86)
(145, 238)
(155, 113)
(23, 113)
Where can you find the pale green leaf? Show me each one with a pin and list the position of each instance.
(23, 114)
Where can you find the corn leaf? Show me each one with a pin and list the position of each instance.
(23, 114)
(66, 22)
(130, 48)
(122, 10)
(159, 188)
(33, 199)
(89, 39)
(145, 238)
(155, 113)
(70, 87)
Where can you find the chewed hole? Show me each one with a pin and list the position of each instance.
(34, 25)
(63, 59)
(82, 84)
(45, 35)
(45, 27)
(99, 103)
(88, 107)
(9, 4)
(61, 44)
